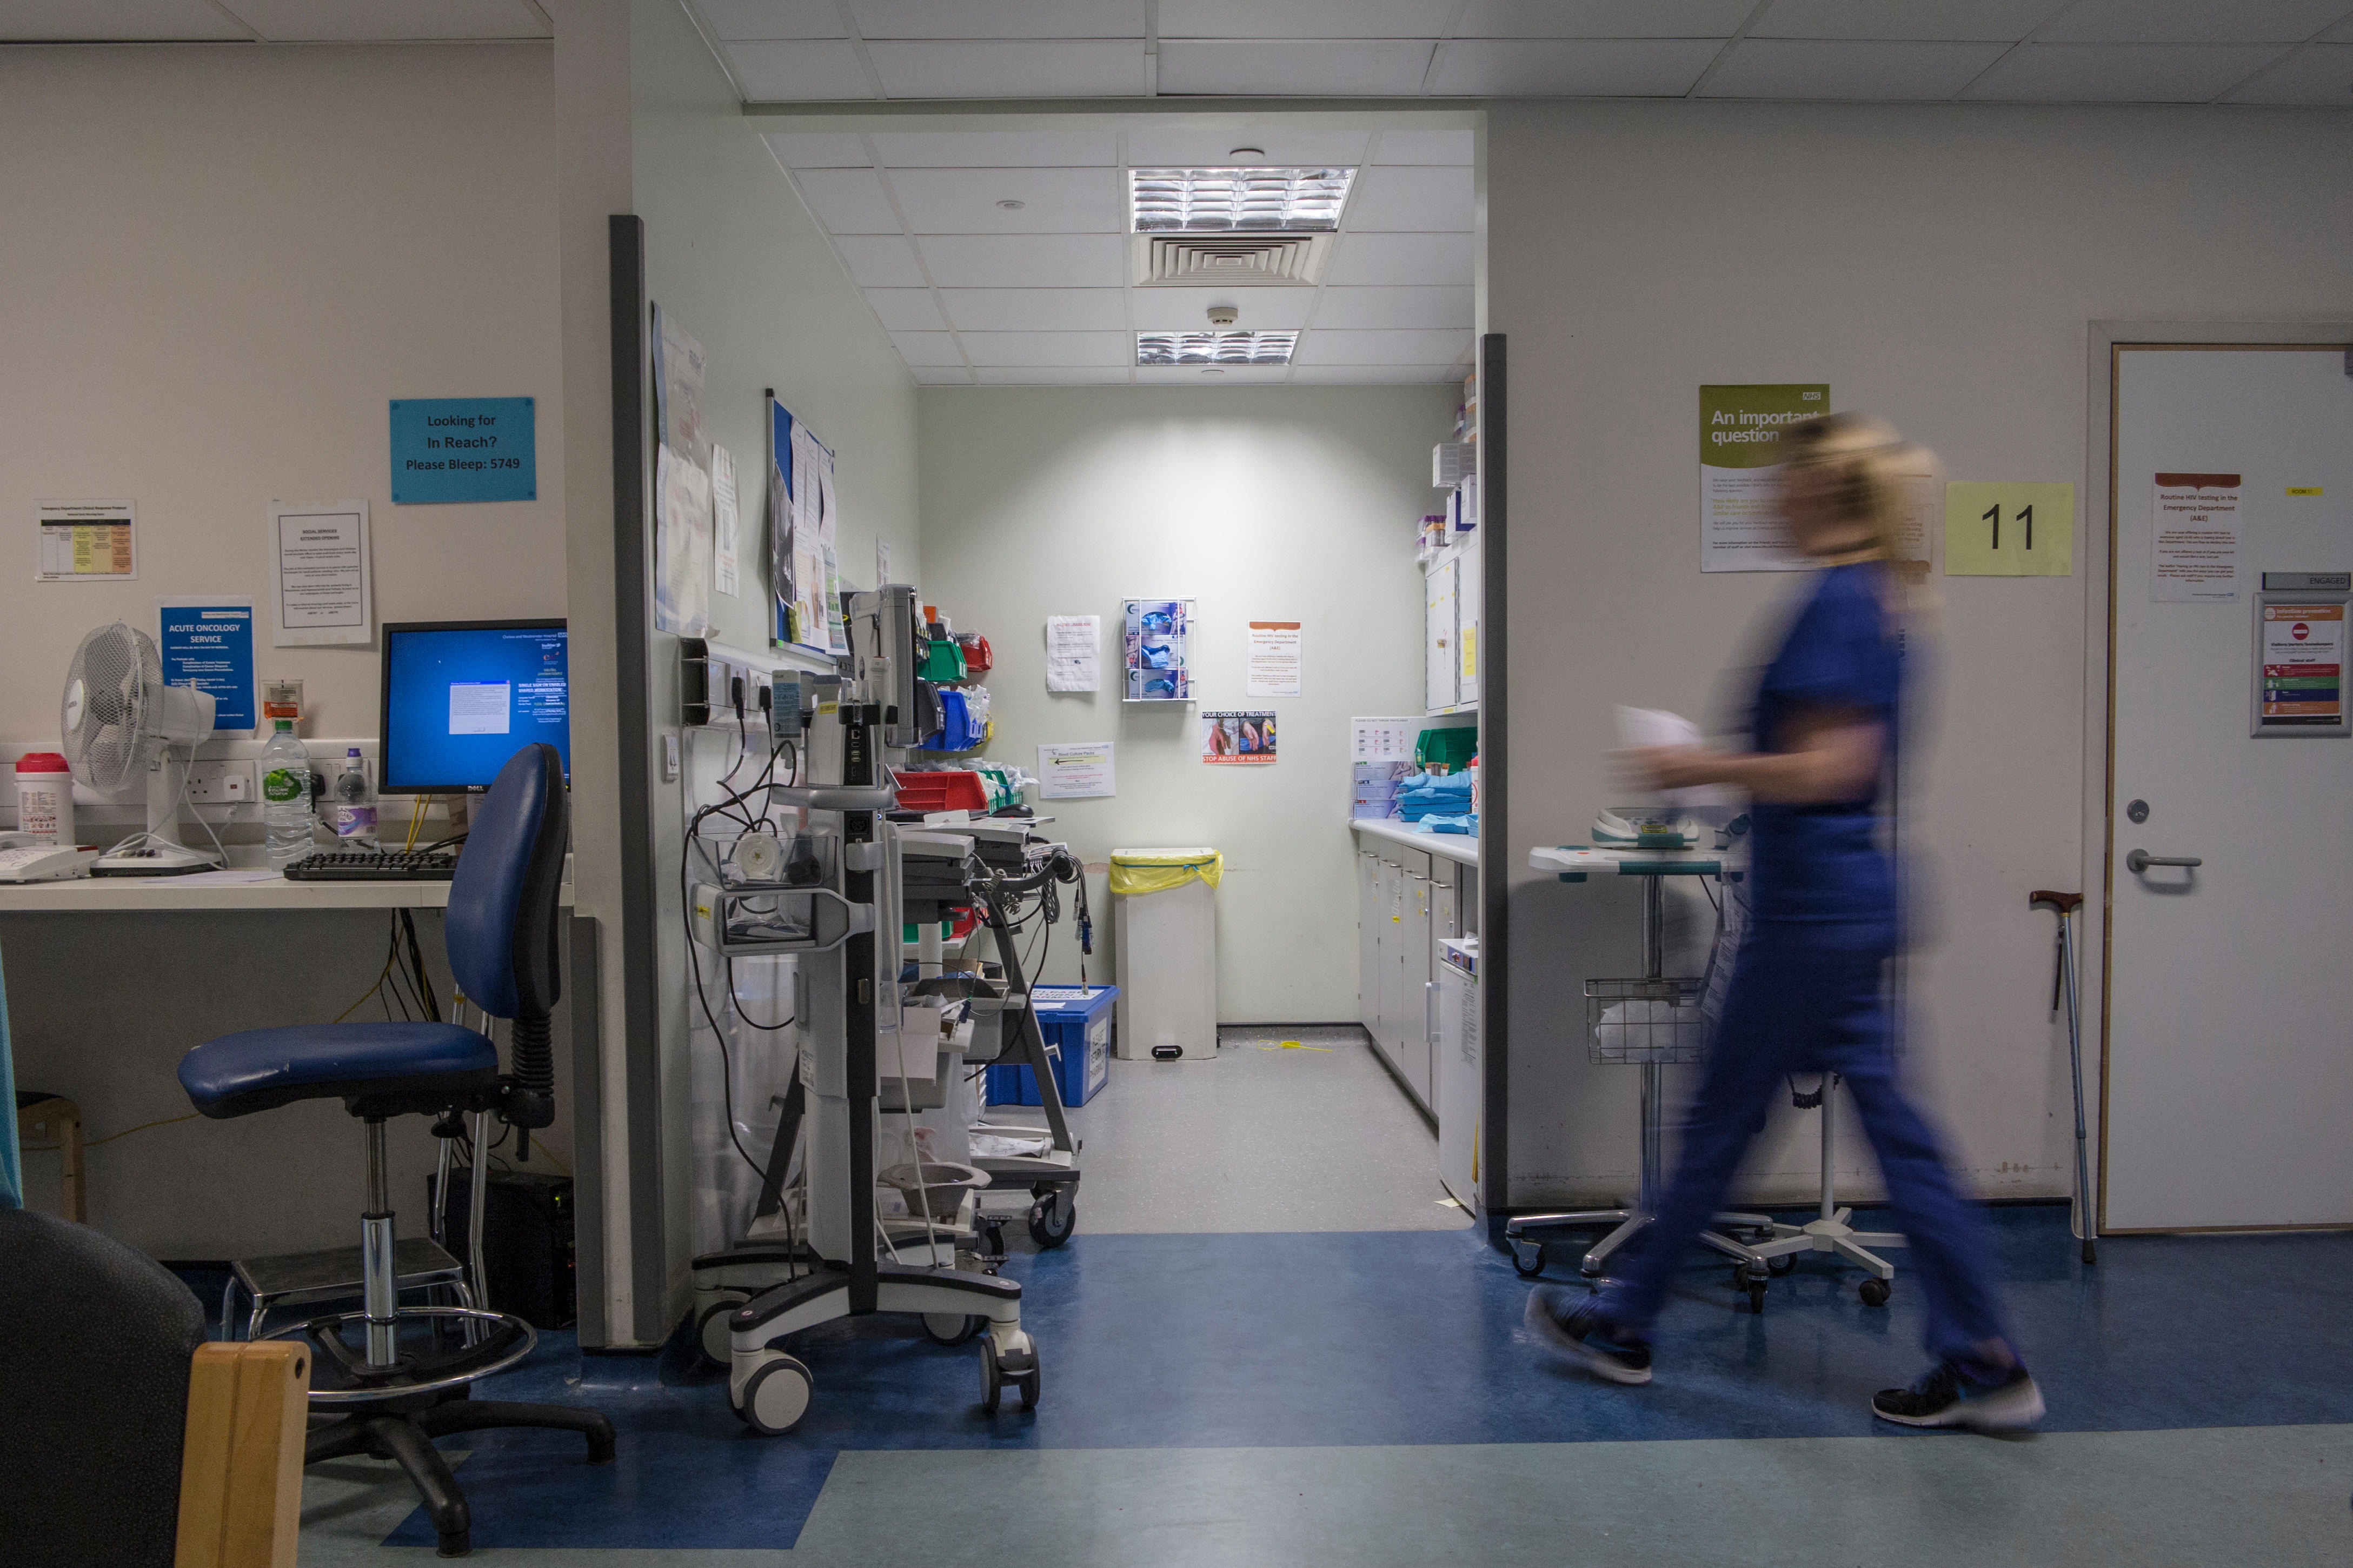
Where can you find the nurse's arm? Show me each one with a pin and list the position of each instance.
(1833, 755)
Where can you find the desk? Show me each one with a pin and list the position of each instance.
(110, 980)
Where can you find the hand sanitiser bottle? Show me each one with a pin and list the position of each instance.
(354, 804)
(286, 796)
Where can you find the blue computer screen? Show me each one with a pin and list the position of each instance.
(459, 701)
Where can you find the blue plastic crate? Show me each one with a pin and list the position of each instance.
(1077, 1025)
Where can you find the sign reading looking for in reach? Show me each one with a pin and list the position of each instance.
(463, 449)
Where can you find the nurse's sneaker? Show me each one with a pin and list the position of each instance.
(1948, 1396)
(1577, 1328)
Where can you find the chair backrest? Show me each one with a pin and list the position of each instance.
(501, 927)
(12, 1171)
(94, 1347)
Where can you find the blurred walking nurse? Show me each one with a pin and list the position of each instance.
(1806, 986)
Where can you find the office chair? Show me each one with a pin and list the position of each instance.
(385, 1397)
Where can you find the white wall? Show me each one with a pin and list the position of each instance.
(734, 258)
(1936, 266)
(219, 265)
(1276, 503)
(215, 286)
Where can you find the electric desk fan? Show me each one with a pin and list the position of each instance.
(122, 728)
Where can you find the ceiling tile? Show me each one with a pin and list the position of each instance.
(1411, 200)
(2191, 21)
(1053, 201)
(880, 262)
(1035, 309)
(773, 18)
(1552, 68)
(997, 148)
(940, 374)
(927, 348)
(1303, 19)
(1426, 305)
(1052, 375)
(1372, 375)
(1606, 18)
(1211, 375)
(797, 72)
(1282, 145)
(847, 201)
(2320, 74)
(1396, 346)
(906, 310)
(1049, 348)
(1026, 260)
(990, 68)
(999, 19)
(1187, 310)
(38, 21)
(1296, 67)
(372, 21)
(2120, 73)
(1402, 258)
(1970, 21)
(1426, 147)
(1877, 71)
(818, 148)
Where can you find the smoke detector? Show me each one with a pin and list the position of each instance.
(1224, 315)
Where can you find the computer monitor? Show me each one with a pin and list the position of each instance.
(461, 696)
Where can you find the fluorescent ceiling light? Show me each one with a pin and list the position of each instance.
(1214, 348)
(1218, 201)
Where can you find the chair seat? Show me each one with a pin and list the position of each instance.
(260, 1069)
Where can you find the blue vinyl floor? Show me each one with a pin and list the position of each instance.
(1413, 1342)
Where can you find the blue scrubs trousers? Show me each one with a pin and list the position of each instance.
(1805, 997)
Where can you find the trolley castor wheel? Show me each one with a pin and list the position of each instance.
(1527, 1259)
(711, 1335)
(1874, 1292)
(951, 1328)
(776, 1395)
(1782, 1263)
(1052, 1219)
(1752, 1286)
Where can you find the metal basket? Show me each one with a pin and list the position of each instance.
(1654, 1021)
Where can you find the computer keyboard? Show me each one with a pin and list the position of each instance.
(376, 865)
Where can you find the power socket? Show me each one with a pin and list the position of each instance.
(221, 783)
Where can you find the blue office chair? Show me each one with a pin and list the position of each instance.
(384, 1396)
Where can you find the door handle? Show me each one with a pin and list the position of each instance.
(1429, 1027)
(2141, 860)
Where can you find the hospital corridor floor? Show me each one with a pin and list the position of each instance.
(1272, 1341)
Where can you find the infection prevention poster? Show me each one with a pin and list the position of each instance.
(1740, 427)
(2301, 684)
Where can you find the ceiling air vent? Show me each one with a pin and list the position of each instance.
(1204, 261)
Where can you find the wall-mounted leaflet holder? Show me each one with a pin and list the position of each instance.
(2300, 654)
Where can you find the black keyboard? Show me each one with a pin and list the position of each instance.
(376, 865)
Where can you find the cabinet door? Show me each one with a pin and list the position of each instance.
(1386, 938)
(1414, 1057)
(1466, 623)
(1438, 634)
(1368, 947)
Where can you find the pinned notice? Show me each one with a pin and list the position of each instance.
(2300, 685)
(464, 448)
(1740, 523)
(1080, 771)
(1274, 658)
(318, 561)
(87, 542)
(2194, 540)
(1074, 653)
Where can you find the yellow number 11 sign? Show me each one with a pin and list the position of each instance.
(2002, 527)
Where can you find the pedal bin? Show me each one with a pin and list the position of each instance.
(1164, 902)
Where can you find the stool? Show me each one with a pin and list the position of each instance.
(388, 1395)
(58, 1120)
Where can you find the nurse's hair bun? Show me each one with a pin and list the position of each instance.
(1873, 465)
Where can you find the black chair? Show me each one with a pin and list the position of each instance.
(390, 1396)
(94, 1347)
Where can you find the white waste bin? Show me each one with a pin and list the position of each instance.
(1164, 902)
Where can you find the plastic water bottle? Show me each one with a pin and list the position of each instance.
(354, 804)
(286, 796)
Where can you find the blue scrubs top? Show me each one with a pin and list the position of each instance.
(1823, 861)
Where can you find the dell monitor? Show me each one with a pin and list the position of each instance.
(461, 696)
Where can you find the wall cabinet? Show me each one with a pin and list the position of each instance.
(1450, 629)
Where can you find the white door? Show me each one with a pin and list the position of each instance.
(2230, 1046)
(1438, 631)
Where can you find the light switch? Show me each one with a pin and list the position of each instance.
(670, 758)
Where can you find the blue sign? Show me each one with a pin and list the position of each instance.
(463, 449)
(208, 644)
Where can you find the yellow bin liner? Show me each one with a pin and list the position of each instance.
(1163, 870)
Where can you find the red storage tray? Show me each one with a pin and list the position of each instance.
(956, 789)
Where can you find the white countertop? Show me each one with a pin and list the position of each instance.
(1460, 847)
(239, 888)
